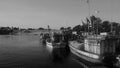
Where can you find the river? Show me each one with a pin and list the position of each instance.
(26, 51)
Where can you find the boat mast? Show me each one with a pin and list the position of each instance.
(97, 23)
(48, 29)
(88, 2)
(111, 16)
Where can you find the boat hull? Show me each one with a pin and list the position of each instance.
(49, 44)
(56, 45)
(85, 55)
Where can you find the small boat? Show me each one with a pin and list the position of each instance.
(44, 37)
(96, 49)
(49, 43)
(56, 41)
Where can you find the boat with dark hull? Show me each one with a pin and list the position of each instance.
(44, 37)
(96, 49)
(56, 40)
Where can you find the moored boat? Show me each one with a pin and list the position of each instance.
(56, 40)
(96, 48)
(44, 37)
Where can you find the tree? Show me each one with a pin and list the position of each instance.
(106, 26)
(96, 26)
(69, 28)
(40, 28)
(115, 28)
(62, 28)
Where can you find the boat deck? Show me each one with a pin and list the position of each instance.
(76, 44)
(78, 49)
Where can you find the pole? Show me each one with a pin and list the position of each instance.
(111, 17)
(88, 2)
(97, 23)
(97, 28)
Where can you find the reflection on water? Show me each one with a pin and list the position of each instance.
(59, 54)
(26, 51)
(20, 50)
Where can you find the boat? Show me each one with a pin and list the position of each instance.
(56, 40)
(44, 37)
(97, 49)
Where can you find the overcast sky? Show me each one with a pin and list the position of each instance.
(56, 13)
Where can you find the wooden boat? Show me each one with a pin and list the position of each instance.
(96, 49)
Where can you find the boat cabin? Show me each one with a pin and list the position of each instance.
(102, 45)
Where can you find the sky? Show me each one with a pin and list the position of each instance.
(56, 13)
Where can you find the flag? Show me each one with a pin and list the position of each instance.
(83, 22)
(89, 23)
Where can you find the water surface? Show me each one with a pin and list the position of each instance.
(26, 51)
